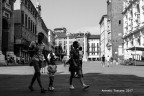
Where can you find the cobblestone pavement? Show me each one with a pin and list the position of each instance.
(115, 80)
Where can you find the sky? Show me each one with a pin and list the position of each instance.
(74, 15)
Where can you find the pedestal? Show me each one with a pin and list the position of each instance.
(2, 59)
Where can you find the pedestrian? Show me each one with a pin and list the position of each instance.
(103, 61)
(52, 68)
(22, 60)
(75, 65)
(108, 61)
(80, 59)
(37, 51)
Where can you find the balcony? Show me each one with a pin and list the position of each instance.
(7, 6)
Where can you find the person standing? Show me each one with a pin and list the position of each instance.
(38, 50)
(75, 65)
(103, 61)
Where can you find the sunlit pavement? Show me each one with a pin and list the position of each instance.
(115, 80)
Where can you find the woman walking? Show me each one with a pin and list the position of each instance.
(37, 50)
(75, 65)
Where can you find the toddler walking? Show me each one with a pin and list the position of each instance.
(52, 68)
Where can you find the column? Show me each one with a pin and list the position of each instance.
(68, 51)
(10, 51)
(85, 47)
(2, 57)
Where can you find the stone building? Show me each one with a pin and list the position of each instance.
(64, 40)
(6, 29)
(28, 23)
(133, 29)
(104, 36)
(93, 47)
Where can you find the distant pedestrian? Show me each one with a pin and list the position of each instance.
(22, 60)
(37, 51)
(108, 61)
(52, 68)
(75, 65)
(103, 61)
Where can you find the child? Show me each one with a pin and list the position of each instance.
(52, 68)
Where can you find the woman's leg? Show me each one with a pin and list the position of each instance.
(33, 79)
(81, 79)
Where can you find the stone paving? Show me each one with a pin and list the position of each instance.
(116, 80)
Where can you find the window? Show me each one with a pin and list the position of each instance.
(35, 29)
(22, 17)
(26, 20)
(31, 26)
(29, 23)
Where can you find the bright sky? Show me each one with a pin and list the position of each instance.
(75, 15)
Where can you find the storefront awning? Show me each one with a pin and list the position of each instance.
(136, 48)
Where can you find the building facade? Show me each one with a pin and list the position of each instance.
(28, 23)
(64, 40)
(93, 47)
(60, 42)
(133, 28)
(51, 40)
(6, 29)
(104, 37)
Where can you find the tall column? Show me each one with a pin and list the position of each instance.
(85, 47)
(2, 57)
(10, 51)
(68, 51)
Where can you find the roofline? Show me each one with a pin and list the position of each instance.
(102, 18)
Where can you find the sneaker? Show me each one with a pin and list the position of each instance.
(43, 90)
(52, 88)
(72, 87)
(85, 86)
(31, 88)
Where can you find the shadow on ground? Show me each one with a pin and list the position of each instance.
(100, 85)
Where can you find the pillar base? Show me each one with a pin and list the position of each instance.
(2, 59)
(84, 58)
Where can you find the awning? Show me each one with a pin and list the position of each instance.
(136, 48)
